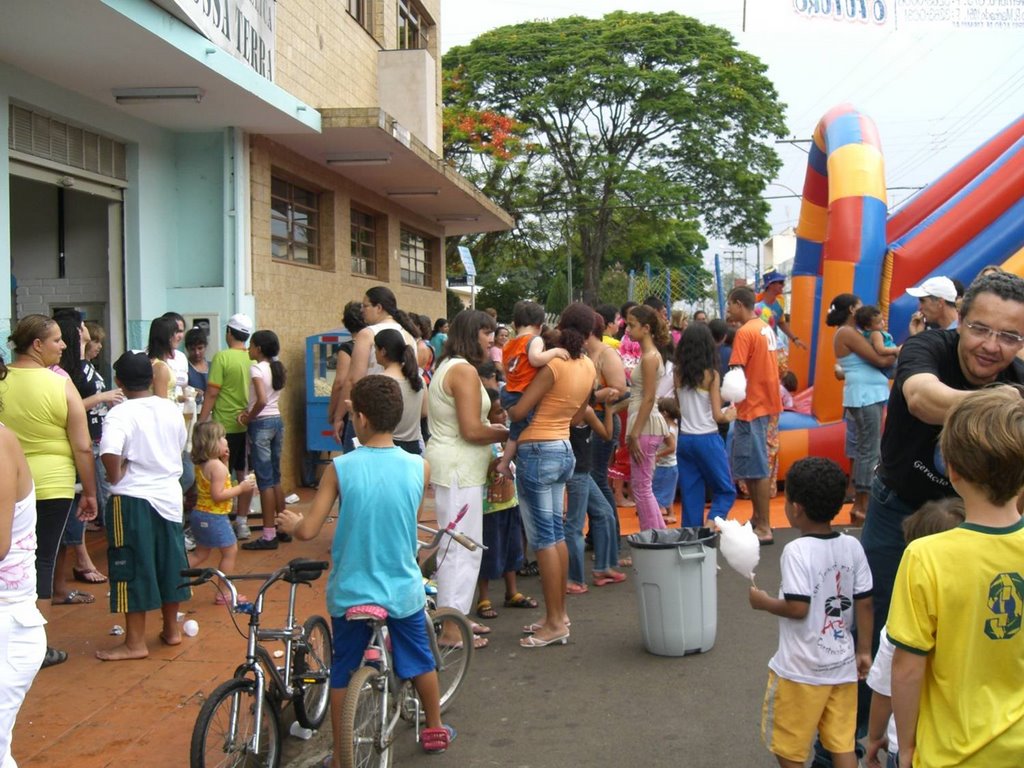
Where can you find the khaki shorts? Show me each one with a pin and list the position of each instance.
(792, 712)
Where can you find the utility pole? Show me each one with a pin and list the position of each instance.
(731, 255)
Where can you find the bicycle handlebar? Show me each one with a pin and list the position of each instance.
(298, 569)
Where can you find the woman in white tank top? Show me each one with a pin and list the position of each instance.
(700, 450)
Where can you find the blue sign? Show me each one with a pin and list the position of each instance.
(467, 261)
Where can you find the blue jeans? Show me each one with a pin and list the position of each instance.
(600, 454)
(882, 539)
(585, 498)
(702, 462)
(542, 470)
(867, 421)
(266, 437)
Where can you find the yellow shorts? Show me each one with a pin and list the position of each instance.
(792, 712)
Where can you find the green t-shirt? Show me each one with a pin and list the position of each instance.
(229, 370)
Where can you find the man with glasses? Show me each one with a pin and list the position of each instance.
(936, 370)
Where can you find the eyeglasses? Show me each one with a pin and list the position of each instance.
(1005, 338)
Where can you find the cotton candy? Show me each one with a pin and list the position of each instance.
(739, 546)
(734, 386)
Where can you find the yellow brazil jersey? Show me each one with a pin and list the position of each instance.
(959, 599)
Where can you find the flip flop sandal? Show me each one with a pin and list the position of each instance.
(88, 575)
(478, 643)
(53, 657)
(529, 629)
(480, 629)
(519, 600)
(436, 740)
(572, 588)
(77, 597)
(611, 577)
(532, 641)
(485, 610)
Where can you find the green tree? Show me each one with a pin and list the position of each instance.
(633, 117)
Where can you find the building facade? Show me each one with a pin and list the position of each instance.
(220, 156)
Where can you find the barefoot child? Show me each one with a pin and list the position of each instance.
(141, 448)
(211, 526)
(374, 553)
(812, 679)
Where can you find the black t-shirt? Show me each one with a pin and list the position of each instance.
(91, 384)
(579, 439)
(908, 444)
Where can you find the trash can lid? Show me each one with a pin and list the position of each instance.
(666, 538)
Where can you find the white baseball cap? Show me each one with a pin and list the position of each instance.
(939, 287)
(241, 323)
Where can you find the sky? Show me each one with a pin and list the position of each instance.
(938, 77)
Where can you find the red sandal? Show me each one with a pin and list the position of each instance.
(436, 740)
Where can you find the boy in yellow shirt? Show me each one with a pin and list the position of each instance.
(958, 602)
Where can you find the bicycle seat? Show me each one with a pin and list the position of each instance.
(301, 570)
(366, 613)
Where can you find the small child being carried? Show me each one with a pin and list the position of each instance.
(522, 357)
(871, 324)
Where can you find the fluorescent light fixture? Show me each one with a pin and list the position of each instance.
(424, 192)
(142, 95)
(455, 218)
(360, 158)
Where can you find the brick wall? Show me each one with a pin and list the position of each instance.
(297, 301)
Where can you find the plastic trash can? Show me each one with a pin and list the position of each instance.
(676, 587)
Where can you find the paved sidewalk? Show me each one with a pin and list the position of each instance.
(601, 700)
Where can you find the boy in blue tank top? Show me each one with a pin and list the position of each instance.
(380, 488)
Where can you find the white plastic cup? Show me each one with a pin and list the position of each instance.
(190, 627)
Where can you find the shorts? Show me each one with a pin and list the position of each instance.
(212, 530)
(236, 445)
(145, 557)
(410, 646)
(543, 468)
(515, 428)
(503, 537)
(664, 485)
(792, 712)
(750, 449)
(266, 437)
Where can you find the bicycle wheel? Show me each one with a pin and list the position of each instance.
(362, 723)
(452, 658)
(225, 729)
(311, 672)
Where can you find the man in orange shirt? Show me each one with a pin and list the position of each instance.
(753, 350)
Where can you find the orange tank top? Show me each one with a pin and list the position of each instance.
(574, 382)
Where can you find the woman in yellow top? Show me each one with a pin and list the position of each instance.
(545, 461)
(45, 411)
(160, 350)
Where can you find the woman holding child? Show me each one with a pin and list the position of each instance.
(459, 452)
(865, 393)
(545, 461)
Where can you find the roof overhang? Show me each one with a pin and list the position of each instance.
(94, 47)
(370, 148)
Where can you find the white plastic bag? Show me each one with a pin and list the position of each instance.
(739, 546)
(734, 386)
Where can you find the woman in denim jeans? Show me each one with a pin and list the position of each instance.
(545, 462)
(865, 393)
(266, 432)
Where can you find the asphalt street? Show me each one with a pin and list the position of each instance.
(602, 700)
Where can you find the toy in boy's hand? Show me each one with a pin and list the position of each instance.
(739, 546)
(734, 386)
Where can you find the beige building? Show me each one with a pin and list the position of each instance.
(273, 157)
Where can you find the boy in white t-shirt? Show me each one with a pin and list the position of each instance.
(812, 682)
(141, 447)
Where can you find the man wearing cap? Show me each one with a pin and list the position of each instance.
(936, 305)
(771, 305)
(227, 395)
(936, 370)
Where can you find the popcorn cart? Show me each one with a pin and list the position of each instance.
(321, 364)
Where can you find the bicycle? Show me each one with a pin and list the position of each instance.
(376, 699)
(240, 723)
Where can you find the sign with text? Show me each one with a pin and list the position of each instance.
(243, 28)
(467, 261)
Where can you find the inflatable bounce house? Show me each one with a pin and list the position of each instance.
(846, 243)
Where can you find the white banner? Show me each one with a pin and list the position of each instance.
(243, 28)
